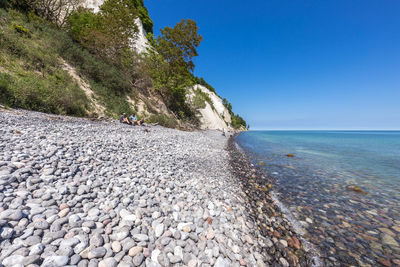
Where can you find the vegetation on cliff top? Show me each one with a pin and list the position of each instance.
(36, 42)
(32, 74)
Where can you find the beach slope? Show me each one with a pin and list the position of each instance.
(84, 193)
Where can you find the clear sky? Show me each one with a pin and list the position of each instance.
(298, 64)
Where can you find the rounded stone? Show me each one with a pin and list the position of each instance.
(97, 253)
(135, 250)
(11, 215)
(138, 259)
(116, 246)
(109, 262)
(55, 261)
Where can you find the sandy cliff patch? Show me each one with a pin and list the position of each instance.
(97, 107)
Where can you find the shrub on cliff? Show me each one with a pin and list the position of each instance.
(172, 64)
(32, 75)
(107, 33)
(237, 121)
(144, 16)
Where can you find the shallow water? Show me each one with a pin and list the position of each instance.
(318, 183)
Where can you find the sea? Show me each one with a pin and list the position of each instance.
(341, 188)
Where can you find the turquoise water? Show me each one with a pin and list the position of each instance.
(317, 185)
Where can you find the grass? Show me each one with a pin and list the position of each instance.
(163, 120)
(31, 74)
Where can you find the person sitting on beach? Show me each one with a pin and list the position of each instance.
(135, 120)
(124, 119)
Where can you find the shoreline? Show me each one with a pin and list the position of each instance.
(82, 193)
(347, 225)
(264, 209)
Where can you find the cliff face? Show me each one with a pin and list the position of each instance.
(213, 116)
(140, 44)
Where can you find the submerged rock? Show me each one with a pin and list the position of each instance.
(356, 189)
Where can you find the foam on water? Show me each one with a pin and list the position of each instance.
(319, 180)
(298, 229)
(316, 260)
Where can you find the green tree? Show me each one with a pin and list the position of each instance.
(110, 32)
(172, 64)
(144, 16)
(178, 45)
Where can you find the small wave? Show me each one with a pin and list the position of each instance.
(317, 153)
(316, 260)
(239, 148)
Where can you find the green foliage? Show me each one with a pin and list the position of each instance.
(4, 4)
(237, 121)
(55, 94)
(200, 98)
(34, 78)
(21, 5)
(163, 120)
(107, 33)
(20, 29)
(201, 81)
(144, 16)
(80, 23)
(178, 45)
(150, 38)
(170, 67)
(228, 105)
(171, 85)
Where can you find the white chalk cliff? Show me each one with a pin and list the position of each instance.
(140, 44)
(214, 116)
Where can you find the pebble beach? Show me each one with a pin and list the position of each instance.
(74, 192)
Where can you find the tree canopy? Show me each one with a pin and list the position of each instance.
(178, 45)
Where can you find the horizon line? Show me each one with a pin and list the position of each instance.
(359, 130)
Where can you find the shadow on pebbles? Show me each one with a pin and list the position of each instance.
(82, 193)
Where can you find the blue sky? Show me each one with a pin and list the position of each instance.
(298, 64)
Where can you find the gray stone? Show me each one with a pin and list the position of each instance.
(32, 259)
(116, 246)
(70, 242)
(13, 260)
(138, 259)
(83, 263)
(55, 261)
(41, 224)
(93, 263)
(96, 240)
(6, 233)
(140, 237)
(65, 251)
(283, 262)
(221, 262)
(119, 234)
(109, 262)
(80, 247)
(93, 212)
(36, 249)
(173, 258)
(11, 215)
(75, 259)
(97, 253)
